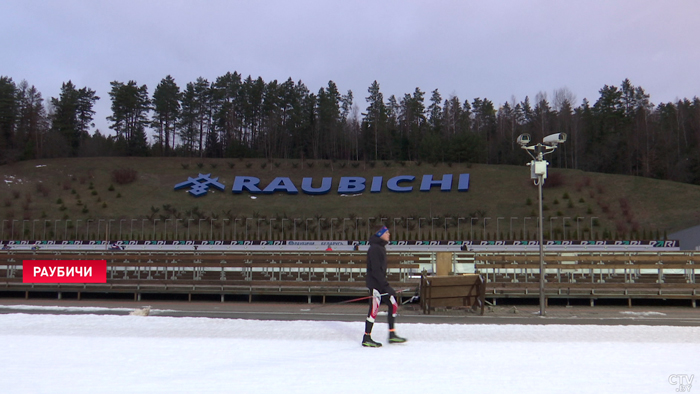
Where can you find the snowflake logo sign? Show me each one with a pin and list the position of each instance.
(200, 186)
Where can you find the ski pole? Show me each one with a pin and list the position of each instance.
(352, 300)
(343, 302)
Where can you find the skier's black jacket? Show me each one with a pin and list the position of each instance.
(376, 266)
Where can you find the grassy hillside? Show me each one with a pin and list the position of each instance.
(60, 194)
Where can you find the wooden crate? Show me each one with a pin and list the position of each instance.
(467, 290)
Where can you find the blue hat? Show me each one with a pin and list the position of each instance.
(381, 231)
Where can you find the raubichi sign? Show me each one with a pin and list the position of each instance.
(346, 185)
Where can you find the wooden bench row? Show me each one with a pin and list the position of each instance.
(239, 287)
(588, 266)
(590, 258)
(319, 274)
(213, 258)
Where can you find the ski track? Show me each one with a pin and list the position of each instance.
(118, 354)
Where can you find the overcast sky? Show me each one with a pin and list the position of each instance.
(489, 49)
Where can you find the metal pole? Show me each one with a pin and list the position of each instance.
(307, 227)
(510, 232)
(524, 229)
(284, 232)
(235, 221)
(563, 220)
(551, 230)
(246, 228)
(540, 179)
(154, 228)
(498, 231)
(578, 227)
(446, 227)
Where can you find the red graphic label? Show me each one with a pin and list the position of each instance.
(64, 271)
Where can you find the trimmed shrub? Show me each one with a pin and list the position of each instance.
(124, 176)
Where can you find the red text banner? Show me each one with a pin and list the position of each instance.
(64, 271)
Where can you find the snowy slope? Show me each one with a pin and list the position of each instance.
(133, 354)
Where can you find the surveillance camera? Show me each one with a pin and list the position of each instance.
(554, 139)
(523, 139)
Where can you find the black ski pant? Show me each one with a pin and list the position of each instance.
(376, 299)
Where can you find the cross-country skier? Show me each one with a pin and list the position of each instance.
(379, 288)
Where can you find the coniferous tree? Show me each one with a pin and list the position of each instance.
(435, 112)
(73, 114)
(329, 120)
(623, 132)
(130, 108)
(484, 124)
(226, 112)
(203, 110)
(394, 143)
(253, 91)
(8, 115)
(373, 122)
(607, 140)
(166, 113)
(188, 120)
(412, 122)
(349, 126)
(32, 122)
(271, 122)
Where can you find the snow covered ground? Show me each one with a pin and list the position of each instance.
(134, 354)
